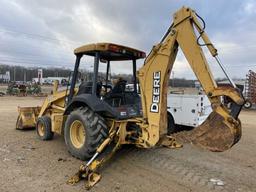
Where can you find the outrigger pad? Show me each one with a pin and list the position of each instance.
(170, 142)
(93, 178)
(215, 134)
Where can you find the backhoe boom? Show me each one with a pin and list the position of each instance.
(159, 64)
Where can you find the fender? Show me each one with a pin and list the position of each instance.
(93, 102)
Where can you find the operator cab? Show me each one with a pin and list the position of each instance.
(112, 100)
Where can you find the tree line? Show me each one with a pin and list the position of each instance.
(21, 73)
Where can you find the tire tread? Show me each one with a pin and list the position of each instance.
(96, 132)
(47, 124)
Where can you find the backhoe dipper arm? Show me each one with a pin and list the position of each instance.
(155, 73)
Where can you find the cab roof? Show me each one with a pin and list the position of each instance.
(110, 51)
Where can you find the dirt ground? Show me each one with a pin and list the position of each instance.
(28, 164)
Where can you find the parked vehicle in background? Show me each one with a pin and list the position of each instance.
(187, 110)
(184, 109)
(250, 89)
(16, 88)
(34, 89)
(130, 87)
(19, 88)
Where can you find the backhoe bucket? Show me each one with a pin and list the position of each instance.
(27, 117)
(215, 134)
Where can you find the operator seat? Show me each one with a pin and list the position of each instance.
(119, 87)
(116, 96)
(86, 88)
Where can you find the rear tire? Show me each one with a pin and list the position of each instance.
(84, 132)
(247, 104)
(171, 127)
(43, 128)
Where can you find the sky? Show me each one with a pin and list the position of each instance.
(45, 33)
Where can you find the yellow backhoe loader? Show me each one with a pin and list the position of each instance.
(95, 123)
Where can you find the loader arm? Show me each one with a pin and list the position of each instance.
(222, 129)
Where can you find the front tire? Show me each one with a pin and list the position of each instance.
(84, 132)
(43, 128)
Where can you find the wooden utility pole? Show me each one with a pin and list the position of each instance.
(24, 73)
(14, 74)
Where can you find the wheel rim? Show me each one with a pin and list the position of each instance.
(247, 104)
(77, 134)
(41, 129)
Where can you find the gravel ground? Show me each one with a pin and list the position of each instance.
(28, 164)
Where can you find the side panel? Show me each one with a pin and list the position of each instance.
(57, 122)
(91, 101)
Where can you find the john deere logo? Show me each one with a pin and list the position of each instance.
(156, 92)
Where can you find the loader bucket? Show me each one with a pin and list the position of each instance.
(27, 117)
(215, 134)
